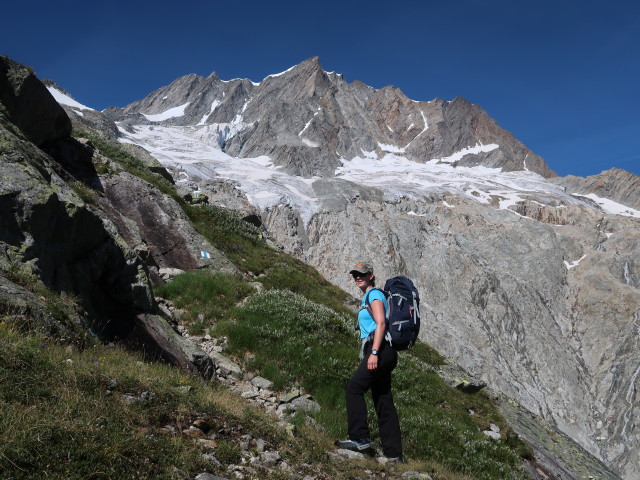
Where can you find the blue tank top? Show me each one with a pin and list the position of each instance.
(365, 321)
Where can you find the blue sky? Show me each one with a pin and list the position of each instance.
(562, 76)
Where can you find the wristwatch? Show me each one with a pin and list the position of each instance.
(374, 352)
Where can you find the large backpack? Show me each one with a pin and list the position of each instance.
(403, 314)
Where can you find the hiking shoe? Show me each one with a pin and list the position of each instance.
(354, 445)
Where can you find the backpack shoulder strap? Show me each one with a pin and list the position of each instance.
(366, 296)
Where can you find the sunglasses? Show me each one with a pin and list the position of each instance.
(358, 274)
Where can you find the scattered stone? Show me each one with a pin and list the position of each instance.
(211, 458)
(305, 404)
(249, 394)
(225, 367)
(342, 453)
(262, 383)
(284, 409)
(202, 424)
(385, 460)
(165, 309)
(270, 458)
(246, 442)
(193, 432)
(129, 399)
(147, 396)
(414, 475)
(208, 476)
(208, 443)
(492, 434)
(168, 274)
(290, 396)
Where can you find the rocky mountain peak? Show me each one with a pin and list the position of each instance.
(306, 120)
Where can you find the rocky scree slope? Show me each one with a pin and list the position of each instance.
(535, 291)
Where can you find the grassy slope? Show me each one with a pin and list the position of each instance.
(58, 418)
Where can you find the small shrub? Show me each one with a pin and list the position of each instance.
(228, 453)
(86, 193)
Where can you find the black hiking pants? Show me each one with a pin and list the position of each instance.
(379, 381)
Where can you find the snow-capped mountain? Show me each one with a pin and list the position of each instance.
(306, 120)
(529, 281)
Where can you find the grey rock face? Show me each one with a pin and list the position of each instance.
(306, 119)
(156, 337)
(48, 227)
(147, 218)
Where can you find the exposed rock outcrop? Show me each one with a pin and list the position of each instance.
(49, 231)
(156, 226)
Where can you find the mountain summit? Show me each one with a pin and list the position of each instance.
(306, 120)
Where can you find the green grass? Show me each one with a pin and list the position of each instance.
(59, 421)
(303, 341)
(206, 297)
(63, 414)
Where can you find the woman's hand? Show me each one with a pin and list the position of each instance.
(372, 363)
(377, 311)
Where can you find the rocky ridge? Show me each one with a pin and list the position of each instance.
(306, 120)
(615, 184)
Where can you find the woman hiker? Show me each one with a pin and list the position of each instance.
(378, 359)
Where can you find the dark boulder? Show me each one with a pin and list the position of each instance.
(30, 105)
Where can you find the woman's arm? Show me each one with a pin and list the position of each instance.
(377, 312)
